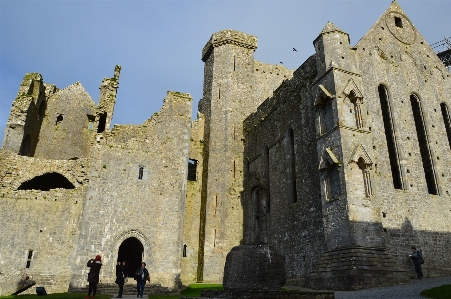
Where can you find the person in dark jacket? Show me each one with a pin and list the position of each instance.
(417, 259)
(141, 275)
(93, 275)
(121, 275)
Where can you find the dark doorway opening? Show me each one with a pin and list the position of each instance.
(131, 251)
(46, 182)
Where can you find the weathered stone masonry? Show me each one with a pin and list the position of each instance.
(340, 166)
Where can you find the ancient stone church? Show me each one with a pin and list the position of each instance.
(340, 165)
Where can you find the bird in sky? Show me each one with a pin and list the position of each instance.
(294, 49)
(280, 62)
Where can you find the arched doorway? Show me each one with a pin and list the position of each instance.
(131, 251)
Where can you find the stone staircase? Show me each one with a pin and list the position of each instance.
(129, 289)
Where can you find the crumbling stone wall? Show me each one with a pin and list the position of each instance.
(120, 205)
(25, 119)
(65, 132)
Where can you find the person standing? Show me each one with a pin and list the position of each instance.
(141, 275)
(93, 275)
(121, 274)
(417, 258)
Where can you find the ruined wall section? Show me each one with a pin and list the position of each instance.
(24, 122)
(65, 132)
(122, 203)
(267, 78)
(193, 204)
(107, 101)
(400, 59)
(44, 223)
(294, 229)
(18, 169)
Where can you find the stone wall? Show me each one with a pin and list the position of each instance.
(121, 205)
(45, 224)
(65, 132)
(193, 205)
(292, 228)
(402, 61)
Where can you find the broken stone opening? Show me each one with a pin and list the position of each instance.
(102, 122)
(46, 182)
(390, 137)
(59, 119)
(131, 252)
(192, 169)
(91, 120)
(447, 121)
(423, 143)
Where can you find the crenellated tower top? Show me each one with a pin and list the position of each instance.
(228, 37)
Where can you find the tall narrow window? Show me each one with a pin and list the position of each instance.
(29, 258)
(424, 145)
(357, 109)
(184, 250)
(140, 172)
(102, 123)
(390, 137)
(291, 167)
(447, 121)
(268, 182)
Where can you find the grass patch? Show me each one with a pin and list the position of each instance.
(193, 290)
(441, 292)
(56, 296)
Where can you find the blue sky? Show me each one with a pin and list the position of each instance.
(159, 43)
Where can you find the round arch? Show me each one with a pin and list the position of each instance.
(133, 248)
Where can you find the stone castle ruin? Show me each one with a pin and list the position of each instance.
(339, 166)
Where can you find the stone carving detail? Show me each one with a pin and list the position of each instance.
(401, 27)
(363, 160)
(330, 175)
(352, 92)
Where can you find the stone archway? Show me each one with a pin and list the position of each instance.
(131, 251)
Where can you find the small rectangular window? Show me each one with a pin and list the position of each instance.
(91, 119)
(29, 258)
(192, 169)
(140, 173)
(398, 22)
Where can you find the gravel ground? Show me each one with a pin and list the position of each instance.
(406, 291)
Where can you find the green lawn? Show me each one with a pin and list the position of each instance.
(193, 290)
(56, 296)
(442, 292)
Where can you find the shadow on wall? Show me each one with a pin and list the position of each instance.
(434, 245)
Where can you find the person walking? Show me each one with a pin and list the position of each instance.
(141, 275)
(121, 276)
(93, 275)
(417, 258)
